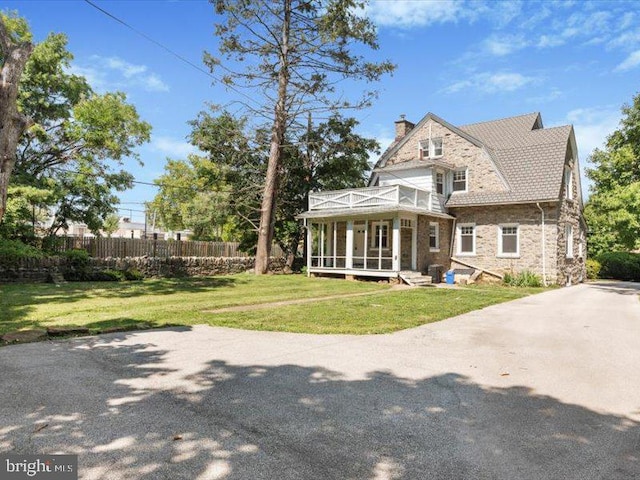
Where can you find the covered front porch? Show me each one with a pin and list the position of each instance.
(378, 245)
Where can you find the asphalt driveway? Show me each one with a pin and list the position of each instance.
(546, 387)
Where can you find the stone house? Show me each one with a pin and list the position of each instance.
(498, 196)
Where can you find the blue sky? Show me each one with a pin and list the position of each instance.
(576, 62)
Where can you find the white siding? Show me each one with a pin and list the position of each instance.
(415, 178)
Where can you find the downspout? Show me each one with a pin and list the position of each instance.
(453, 237)
(544, 263)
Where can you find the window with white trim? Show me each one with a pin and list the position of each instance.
(380, 237)
(568, 238)
(568, 183)
(460, 181)
(581, 245)
(440, 183)
(508, 240)
(436, 147)
(466, 239)
(434, 236)
(431, 148)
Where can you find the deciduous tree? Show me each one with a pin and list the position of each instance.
(15, 49)
(613, 209)
(78, 139)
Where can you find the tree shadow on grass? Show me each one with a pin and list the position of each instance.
(17, 303)
(137, 411)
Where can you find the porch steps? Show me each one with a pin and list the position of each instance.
(416, 279)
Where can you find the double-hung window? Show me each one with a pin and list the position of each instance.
(568, 183)
(431, 148)
(434, 237)
(380, 237)
(466, 239)
(460, 181)
(568, 238)
(440, 183)
(436, 147)
(508, 241)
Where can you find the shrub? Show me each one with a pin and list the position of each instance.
(15, 250)
(107, 276)
(593, 268)
(620, 265)
(77, 266)
(522, 279)
(133, 274)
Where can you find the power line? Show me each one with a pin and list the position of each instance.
(167, 49)
(97, 175)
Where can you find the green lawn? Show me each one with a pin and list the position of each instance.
(395, 310)
(185, 302)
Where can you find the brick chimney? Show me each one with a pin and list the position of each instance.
(403, 127)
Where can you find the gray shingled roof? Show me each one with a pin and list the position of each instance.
(531, 159)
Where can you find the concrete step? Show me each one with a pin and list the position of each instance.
(416, 279)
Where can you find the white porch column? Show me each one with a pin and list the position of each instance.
(308, 226)
(349, 244)
(395, 248)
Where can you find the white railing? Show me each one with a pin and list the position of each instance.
(392, 195)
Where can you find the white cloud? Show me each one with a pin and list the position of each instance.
(504, 45)
(127, 69)
(553, 94)
(632, 61)
(487, 82)
(172, 147)
(593, 126)
(548, 41)
(624, 39)
(111, 73)
(409, 14)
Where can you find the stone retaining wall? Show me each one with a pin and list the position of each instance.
(44, 269)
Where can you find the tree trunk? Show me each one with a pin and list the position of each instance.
(12, 122)
(268, 208)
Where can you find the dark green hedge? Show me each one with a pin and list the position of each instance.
(620, 266)
(12, 251)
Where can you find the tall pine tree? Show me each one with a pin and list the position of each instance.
(287, 58)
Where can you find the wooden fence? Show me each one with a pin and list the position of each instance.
(101, 247)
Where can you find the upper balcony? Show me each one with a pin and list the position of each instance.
(385, 196)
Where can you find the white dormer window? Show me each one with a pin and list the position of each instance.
(431, 148)
(568, 183)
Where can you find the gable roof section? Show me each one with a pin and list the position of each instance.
(503, 132)
(429, 116)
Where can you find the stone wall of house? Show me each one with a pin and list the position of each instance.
(425, 256)
(43, 269)
(528, 218)
(571, 270)
(482, 174)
